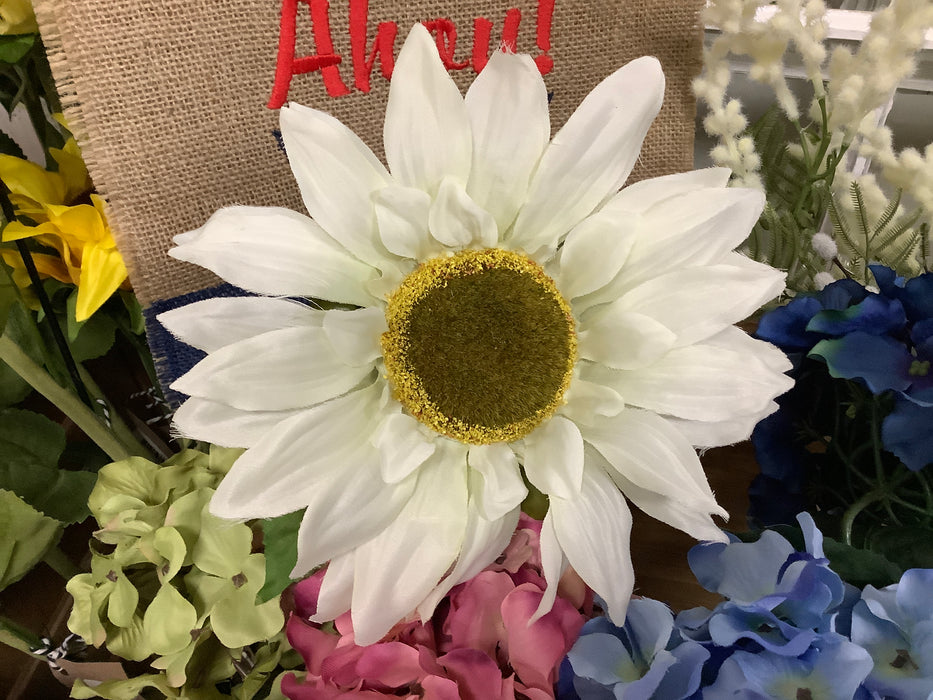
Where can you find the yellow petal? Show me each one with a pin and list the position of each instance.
(72, 169)
(30, 180)
(81, 222)
(16, 17)
(102, 272)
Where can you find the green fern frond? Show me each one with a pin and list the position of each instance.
(889, 211)
(859, 202)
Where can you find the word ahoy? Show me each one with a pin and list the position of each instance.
(363, 53)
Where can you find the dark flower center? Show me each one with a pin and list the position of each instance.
(480, 346)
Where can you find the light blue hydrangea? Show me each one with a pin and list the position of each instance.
(895, 625)
(642, 660)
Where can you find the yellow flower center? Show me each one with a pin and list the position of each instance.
(480, 346)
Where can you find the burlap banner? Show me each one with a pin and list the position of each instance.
(174, 102)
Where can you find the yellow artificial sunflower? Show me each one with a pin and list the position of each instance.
(88, 256)
(17, 17)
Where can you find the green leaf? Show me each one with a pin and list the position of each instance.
(136, 322)
(30, 447)
(14, 48)
(91, 338)
(21, 329)
(25, 536)
(860, 567)
(28, 439)
(908, 547)
(9, 147)
(280, 541)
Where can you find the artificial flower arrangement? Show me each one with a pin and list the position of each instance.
(427, 414)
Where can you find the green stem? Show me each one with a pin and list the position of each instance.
(119, 427)
(60, 563)
(848, 518)
(64, 400)
(17, 637)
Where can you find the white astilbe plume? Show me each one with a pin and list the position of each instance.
(852, 91)
(863, 81)
(794, 23)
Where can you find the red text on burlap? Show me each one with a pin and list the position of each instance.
(365, 53)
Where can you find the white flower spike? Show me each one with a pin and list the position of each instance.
(507, 316)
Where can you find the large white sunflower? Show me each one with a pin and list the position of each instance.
(503, 311)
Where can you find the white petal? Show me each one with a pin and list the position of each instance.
(508, 110)
(623, 339)
(554, 457)
(398, 568)
(702, 382)
(586, 400)
(495, 480)
(594, 252)
(402, 447)
(641, 196)
(427, 131)
(483, 542)
(278, 370)
(336, 173)
(705, 434)
(690, 516)
(737, 340)
(553, 566)
(594, 530)
(347, 508)
(590, 158)
(333, 600)
(697, 228)
(650, 453)
(457, 221)
(278, 474)
(224, 425)
(210, 324)
(355, 335)
(698, 302)
(275, 251)
(402, 215)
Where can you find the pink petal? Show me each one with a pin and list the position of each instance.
(478, 677)
(474, 620)
(390, 664)
(313, 644)
(437, 688)
(306, 593)
(535, 651)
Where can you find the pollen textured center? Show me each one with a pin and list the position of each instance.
(480, 346)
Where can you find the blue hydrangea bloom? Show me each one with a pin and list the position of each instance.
(789, 628)
(895, 625)
(832, 668)
(642, 660)
(773, 590)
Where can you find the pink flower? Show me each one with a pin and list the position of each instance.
(478, 645)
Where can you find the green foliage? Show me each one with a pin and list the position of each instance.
(169, 580)
(797, 184)
(280, 541)
(25, 536)
(30, 448)
(893, 239)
